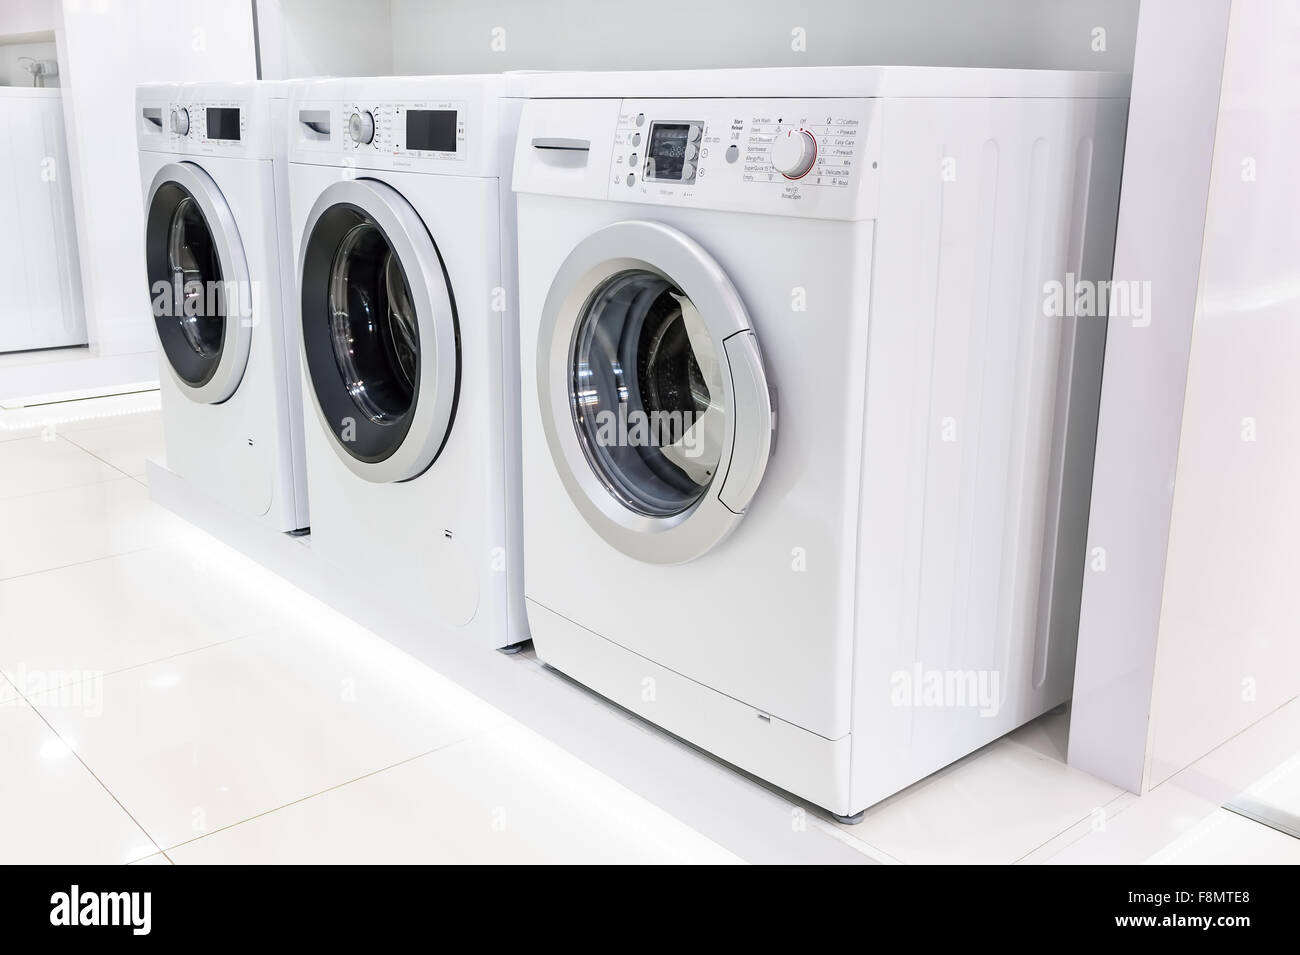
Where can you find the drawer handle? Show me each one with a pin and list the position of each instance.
(551, 142)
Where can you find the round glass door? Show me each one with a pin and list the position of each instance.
(193, 267)
(198, 282)
(379, 328)
(373, 325)
(654, 400)
(647, 394)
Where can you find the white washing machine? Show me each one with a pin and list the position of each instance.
(806, 464)
(403, 220)
(212, 161)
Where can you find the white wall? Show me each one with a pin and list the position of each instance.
(1228, 651)
(1190, 634)
(380, 37)
(28, 16)
(106, 48)
(325, 38)
(1172, 115)
(39, 271)
(456, 36)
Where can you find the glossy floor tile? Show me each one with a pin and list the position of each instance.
(994, 806)
(124, 445)
(1226, 838)
(506, 796)
(1274, 799)
(32, 465)
(72, 525)
(1048, 735)
(53, 809)
(129, 609)
(1137, 830)
(199, 741)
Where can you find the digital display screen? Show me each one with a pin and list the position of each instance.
(667, 150)
(431, 129)
(223, 122)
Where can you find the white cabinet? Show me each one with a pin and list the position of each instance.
(40, 281)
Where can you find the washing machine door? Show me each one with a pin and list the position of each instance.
(200, 294)
(379, 330)
(654, 398)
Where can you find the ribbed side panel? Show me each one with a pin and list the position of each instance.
(980, 421)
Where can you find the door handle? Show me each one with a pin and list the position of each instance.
(560, 142)
(755, 422)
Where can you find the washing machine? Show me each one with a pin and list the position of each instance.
(403, 220)
(217, 254)
(806, 450)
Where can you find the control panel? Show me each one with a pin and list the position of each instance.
(225, 123)
(414, 130)
(202, 127)
(235, 120)
(798, 157)
(385, 134)
(447, 125)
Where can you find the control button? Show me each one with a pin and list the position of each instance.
(688, 171)
(361, 127)
(794, 153)
(733, 153)
(631, 179)
(631, 160)
(692, 151)
(181, 121)
(636, 139)
(640, 119)
(693, 133)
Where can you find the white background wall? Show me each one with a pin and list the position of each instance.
(456, 36)
(43, 231)
(42, 305)
(1192, 631)
(379, 37)
(1172, 117)
(325, 38)
(28, 16)
(1228, 651)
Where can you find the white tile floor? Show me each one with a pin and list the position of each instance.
(142, 720)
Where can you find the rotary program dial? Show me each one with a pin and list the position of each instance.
(361, 127)
(793, 153)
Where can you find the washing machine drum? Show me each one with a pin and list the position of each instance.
(379, 331)
(200, 294)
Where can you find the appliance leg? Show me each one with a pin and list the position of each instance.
(852, 820)
(512, 649)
